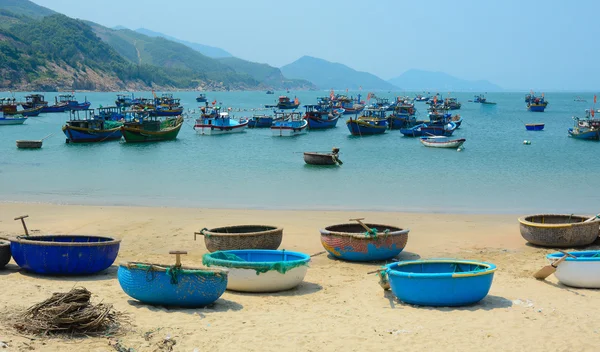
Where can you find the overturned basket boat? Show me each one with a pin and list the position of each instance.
(256, 270)
(440, 282)
(559, 230)
(242, 237)
(172, 285)
(4, 253)
(364, 242)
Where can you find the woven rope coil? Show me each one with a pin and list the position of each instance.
(243, 237)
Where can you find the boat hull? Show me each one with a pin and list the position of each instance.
(211, 130)
(362, 128)
(319, 159)
(16, 121)
(589, 135)
(289, 131)
(27, 112)
(429, 130)
(86, 135)
(175, 112)
(79, 106)
(534, 126)
(138, 135)
(536, 108)
(260, 123)
(431, 142)
(55, 108)
(582, 271)
(320, 124)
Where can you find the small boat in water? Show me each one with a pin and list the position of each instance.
(482, 100)
(316, 158)
(218, 122)
(403, 116)
(145, 128)
(260, 121)
(12, 119)
(319, 119)
(429, 129)
(201, 98)
(537, 104)
(85, 127)
(26, 112)
(270, 92)
(534, 126)
(284, 103)
(587, 127)
(372, 121)
(441, 142)
(34, 101)
(288, 124)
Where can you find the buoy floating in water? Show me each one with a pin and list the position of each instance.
(526, 142)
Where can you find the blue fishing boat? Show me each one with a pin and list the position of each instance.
(126, 100)
(201, 98)
(34, 101)
(537, 104)
(429, 129)
(172, 285)
(420, 97)
(587, 127)
(372, 121)
(219, 123)
(26, 112)
(284, 103)
(403, 116)
(534, 126)
(260, 121)
(319, 118)
(452, 104)
(110, 113)
(350, 105)
(85, 127)
(288, 124)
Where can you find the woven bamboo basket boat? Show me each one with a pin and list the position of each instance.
(559, 230)
(351, 242)
(4, 253)
(21, 144)
(242, 237)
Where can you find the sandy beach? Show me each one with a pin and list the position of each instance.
(338, 307)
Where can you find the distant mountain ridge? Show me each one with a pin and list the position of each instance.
(207, 50)
(330, 75)
(417, 80)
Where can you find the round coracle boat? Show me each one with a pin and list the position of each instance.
(4, 253)
(353, 242)
(582, 271)
(64, 254)
(242, 237)
(172, 285)
(559, 230)
(257, 270)
(440, 282)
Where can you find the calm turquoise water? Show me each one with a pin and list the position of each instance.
(495, 173)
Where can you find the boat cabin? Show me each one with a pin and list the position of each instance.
(373, 113)
(8, 105)
(35, 100)
(112, 113)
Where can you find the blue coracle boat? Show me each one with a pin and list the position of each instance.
(173, 285)
(440, 282)
(373, 121)
(64, 254)
(534, 126)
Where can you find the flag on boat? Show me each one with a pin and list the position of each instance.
(592, 112)
(331, 95)
(594, 99)
(296, 101)
(214, 102)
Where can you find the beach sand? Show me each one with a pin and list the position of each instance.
(338, 307)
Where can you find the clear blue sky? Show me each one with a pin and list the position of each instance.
(516, 44)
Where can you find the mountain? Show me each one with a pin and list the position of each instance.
(25, 8)
(329, 75)
(418, 80)
(207, 50)
(269, 76)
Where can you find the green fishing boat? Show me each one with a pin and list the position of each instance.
(151, 129)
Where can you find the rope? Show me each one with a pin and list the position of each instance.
(205, 234)
(150, 272)
(174, 272)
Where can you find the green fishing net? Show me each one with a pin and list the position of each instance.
(229, 260)
(456, 268)
(175, 272)
(373, 233)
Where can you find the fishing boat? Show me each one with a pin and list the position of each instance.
(372, 121)
(110, 113)
(146, 128)
(270, 92)
(537, 104)
(350, 105)
(579, 99)
(403, 116)
(457, 119)
(316, 158)
(482, 100)
(452, 104)
(84, 127)
(34, 101)
(172, 285)
(260, 121)
(534, 126)
(201, 98)
(288, 124)
(12, 119)
(587, 127)
(319, 119)
(26, 112)
(420, 97)
(61, 105)
(430, 129)
(284, 103)
(441, 142)
(217, 122)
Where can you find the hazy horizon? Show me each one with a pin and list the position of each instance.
(516, 45)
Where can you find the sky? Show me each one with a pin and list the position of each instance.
(516, 44)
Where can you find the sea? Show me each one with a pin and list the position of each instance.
(496, 172)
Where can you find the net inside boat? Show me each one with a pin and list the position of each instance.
(260, 265)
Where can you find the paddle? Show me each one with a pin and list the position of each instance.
(362, 224)
(178, 257)
(22, 218)
(548, 270)
(597, 216)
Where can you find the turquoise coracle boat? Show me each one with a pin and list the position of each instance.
(173, 285)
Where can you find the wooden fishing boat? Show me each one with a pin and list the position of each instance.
(558, 230)
(363, 242)
(241, 237)
(319, 119)
(84, 127)
(34, 101)
(441, 142)
(284, 103)
(315, 158)
(219, 123)
(201, 98)
(440, 282)
(23, 144)
(172, 285)
(587, 127)
(260, 121)
(534, 126)
(372, 121)
(403, 116)
(581, 271)
(26, 112)
(452, 104)
(12, 119)
(260, 270)
(537, 104)
(288, 124)
(151, 129)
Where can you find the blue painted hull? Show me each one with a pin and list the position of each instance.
(536, 108)
(430, 130)
(166, 112)
(188, 288)
(532, 127)
(260, 123)
(440, 283)
(590, 135)
(318, 124)
(52, 255)
(55, 108)
(357, 128)
(79, 106)
(78, 136)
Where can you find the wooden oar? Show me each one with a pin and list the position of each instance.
(22, 218)
(593, 218)
(178, 257)
(548, 270)
(316, 254)
(362, 224)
